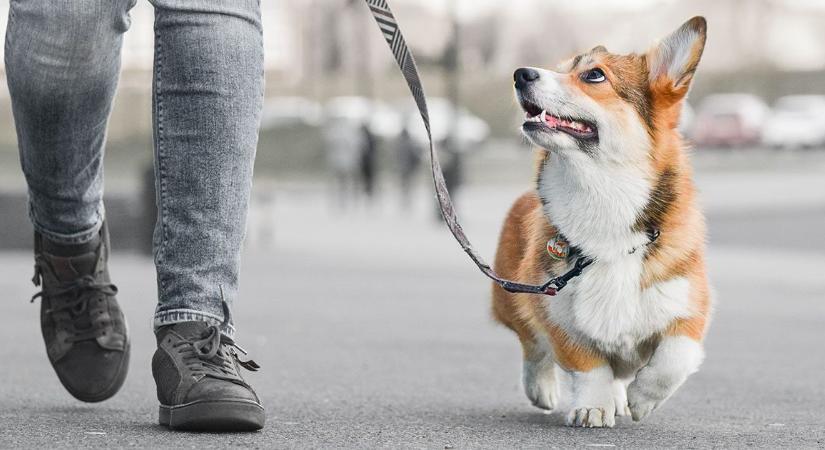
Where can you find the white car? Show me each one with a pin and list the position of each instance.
(469, 129)
(382, 119)
(686, 119)
(729, 120)
(290, 111)
(797, 121)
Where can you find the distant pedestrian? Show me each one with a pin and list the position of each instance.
(409, 159)
(452, 164)
(368, 162)
(343, 141)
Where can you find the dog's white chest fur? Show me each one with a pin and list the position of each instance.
(596, 208)
(607, 307)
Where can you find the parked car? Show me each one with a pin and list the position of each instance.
(290, 111)
(686, 119)
(470, 129)
(382, 119)
(729, 120)
(289, 141)
(797, 121)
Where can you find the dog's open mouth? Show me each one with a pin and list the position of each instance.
(537, 118)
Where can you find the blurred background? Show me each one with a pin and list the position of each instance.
(339, 125)
(355, 299)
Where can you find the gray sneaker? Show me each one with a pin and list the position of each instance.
(197, 372)
(84, 330)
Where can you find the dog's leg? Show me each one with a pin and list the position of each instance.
(676, 357)
(620, 397)
(539, 374)
(538, 371)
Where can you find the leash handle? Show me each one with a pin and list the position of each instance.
(403, 57)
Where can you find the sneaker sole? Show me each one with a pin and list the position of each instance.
(213, 415)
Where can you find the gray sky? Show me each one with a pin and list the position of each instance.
(468, 9)
(793, 40)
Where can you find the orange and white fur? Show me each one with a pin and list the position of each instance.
(612, 168)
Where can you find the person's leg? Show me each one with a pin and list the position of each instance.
(62, 63)
(208, 95)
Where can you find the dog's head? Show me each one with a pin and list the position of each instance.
(611, 107)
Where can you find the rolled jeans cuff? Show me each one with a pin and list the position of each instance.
(173, 316)
(80, 237)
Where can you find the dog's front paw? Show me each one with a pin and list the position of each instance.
(674, 359)
(540, 384)
(591, 418)
(641, 404)
(542, 394)
(593, 405)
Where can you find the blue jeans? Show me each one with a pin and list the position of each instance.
(62, 65)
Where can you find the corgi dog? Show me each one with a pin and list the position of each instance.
(614, 185)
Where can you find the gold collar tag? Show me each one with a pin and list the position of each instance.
(558, 248)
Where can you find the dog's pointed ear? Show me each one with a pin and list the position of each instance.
(674, 59)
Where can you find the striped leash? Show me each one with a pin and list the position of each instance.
(389, 27)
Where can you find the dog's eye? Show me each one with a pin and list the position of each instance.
(594, 76)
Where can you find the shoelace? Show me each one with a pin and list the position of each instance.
(214, 355)
(81, 291)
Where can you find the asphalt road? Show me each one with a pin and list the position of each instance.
(373, 331)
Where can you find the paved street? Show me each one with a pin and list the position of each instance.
(374, 331)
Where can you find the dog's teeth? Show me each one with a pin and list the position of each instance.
(530, 118)
(543, 116)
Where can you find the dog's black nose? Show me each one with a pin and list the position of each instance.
(525, 76)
